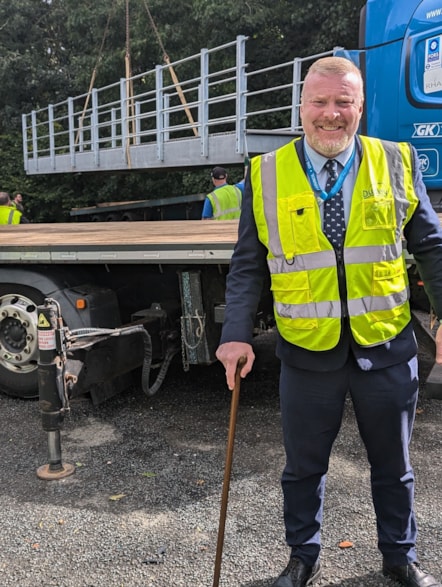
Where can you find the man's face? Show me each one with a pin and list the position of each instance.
(331, 110)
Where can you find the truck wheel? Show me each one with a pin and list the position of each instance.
(131, 217)
(18, 340)
(113, 217)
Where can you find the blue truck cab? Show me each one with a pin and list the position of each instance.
(400, 55)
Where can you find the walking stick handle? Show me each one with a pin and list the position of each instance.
(227, 470)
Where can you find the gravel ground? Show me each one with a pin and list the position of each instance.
(142, 509)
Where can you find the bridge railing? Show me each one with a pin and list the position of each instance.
(154, 107)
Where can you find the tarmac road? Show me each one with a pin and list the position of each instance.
(142, 509)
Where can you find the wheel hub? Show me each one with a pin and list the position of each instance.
(18, 333)
(14, 334)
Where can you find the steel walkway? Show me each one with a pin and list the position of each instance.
(217, 115)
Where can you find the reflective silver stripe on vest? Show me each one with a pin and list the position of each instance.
(377, 303)
(372, 253)
(332, 309)
(303, 262)
(270, 198)
(228, 211)
(329, 309)
(396, 169)
(323, 259)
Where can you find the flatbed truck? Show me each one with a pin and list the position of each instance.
(167, 276)
(83, 310)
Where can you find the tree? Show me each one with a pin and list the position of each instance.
(52, 49)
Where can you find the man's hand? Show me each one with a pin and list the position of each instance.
(439, 345)
(229, 354)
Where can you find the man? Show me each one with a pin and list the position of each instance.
(224, 202)
(17, 201)
(339, 283)
(8, 212)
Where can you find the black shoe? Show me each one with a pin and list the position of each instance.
(410, 575)
(298, 574)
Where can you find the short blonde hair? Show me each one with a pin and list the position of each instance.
(335, 66)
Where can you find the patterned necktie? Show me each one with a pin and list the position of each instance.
(334, 220)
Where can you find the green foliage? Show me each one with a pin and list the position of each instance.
(52, 49)
(321, 25)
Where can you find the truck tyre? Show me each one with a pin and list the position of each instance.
(113, 217)
(18, 340)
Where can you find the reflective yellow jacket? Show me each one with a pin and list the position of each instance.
(226, 202)
(302, 262)
(9, 215)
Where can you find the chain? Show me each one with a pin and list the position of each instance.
(184, 357)
(199, 333)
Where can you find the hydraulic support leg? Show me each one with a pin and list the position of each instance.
(51, 386)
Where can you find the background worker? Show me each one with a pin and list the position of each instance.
(224, 203)
(9, 214)
(17, 201)
(331, 241)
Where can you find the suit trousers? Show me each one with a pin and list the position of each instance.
(312, 406)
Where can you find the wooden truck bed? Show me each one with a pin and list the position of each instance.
(182, 241)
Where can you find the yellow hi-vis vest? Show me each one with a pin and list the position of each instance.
(302, 262)
(226, 202)
(9, 215)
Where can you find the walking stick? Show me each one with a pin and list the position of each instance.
(227, 471)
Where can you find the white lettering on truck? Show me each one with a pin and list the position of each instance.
(424, 130)
(434, 13)
(433, 65)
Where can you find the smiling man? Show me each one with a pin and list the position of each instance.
(331, 109)
(323, 217)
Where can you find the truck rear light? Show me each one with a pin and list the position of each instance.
(80, 304)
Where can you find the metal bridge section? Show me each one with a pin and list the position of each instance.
(216, 115)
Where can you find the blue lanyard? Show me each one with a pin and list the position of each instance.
(339, 182)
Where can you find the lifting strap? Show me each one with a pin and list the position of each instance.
(172, 72)
(94, 72)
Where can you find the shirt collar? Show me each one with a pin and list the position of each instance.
(318, 161)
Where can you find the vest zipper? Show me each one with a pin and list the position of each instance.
(342, 282)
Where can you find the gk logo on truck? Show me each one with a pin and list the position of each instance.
(427, 129)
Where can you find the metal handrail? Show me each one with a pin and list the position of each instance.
(220, 101)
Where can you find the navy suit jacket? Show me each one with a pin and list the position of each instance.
(249, 272)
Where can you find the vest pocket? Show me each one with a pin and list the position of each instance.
(377, 213)
(388, 277)
(298, 221)
(293, 299)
